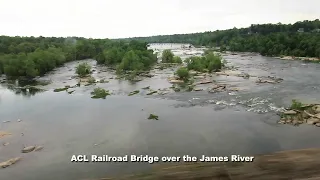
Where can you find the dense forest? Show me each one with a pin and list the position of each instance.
(34, 56)
(299, 39)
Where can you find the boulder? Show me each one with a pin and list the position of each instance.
(38, 148)
(9, 162)
(175, 81)
(198, 89)
(199, 77)
(205, 82)
(312, 121)
(290, 112)
(28, 149)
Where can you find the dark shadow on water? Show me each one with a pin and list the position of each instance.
(26, 91)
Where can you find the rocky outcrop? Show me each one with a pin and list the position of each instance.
(217, 88)
(9, 162)
(28, 149)
(306, 114)
(269, 79)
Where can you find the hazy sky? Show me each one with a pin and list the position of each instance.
(130, 18)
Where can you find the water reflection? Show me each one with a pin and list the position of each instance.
(26, 88)
(26, 91)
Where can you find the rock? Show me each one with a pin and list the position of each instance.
(176, 81)
(317, 124)
(290, 112)
(19, 120)
(133, 93)
(28, 149)
(9, 162)
(6, 121)
(312, 121)
(152, 92)
(38, 148)
(5, 144)
(205, 82)
(198, 77)
(148, 87)
(192, 72)
(198, 89)
(233, 89)
(295, 122)
(3, 134)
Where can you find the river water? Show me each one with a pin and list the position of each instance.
(190, 123)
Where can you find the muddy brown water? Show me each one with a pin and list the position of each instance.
(190, 123)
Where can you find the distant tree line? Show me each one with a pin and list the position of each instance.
(299, 39)
(34, 56)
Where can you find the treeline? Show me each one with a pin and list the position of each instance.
(299, 39)
(34, 56)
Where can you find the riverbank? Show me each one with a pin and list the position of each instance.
(299, 164)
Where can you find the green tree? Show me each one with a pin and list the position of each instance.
(83, 69)
(183, 73)
(177, 59)
(167, 56)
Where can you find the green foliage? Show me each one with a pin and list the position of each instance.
(60, 89)
(133, 92)
(214, 62)
(91, 80)
(177, 59)
(183, 73)
(30, 56)
(167, 56)
(210, 62)
(153, 117)
(100, 93)
(83, 69)
(266, 39)
(296, 105)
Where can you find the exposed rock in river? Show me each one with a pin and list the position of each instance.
(269, 79)
(9, 162)
(28, 149)
(3, 134)
(38, 148)
(217, 88)
(308, 114)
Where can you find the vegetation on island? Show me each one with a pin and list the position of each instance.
(301, 39)
(210, 62)
(98, 93)
(83, 69)
(183, 73)
(169, 57)
(153, 117)
(34, 56)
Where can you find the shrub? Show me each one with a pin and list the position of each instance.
(182, 73)
(177, 59)
(167, 56)
(296, 105)
(83, 69)
(210, 62)
(99, 93)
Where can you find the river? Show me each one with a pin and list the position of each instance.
(190, 123)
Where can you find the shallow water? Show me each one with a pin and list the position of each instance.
(190, 123)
